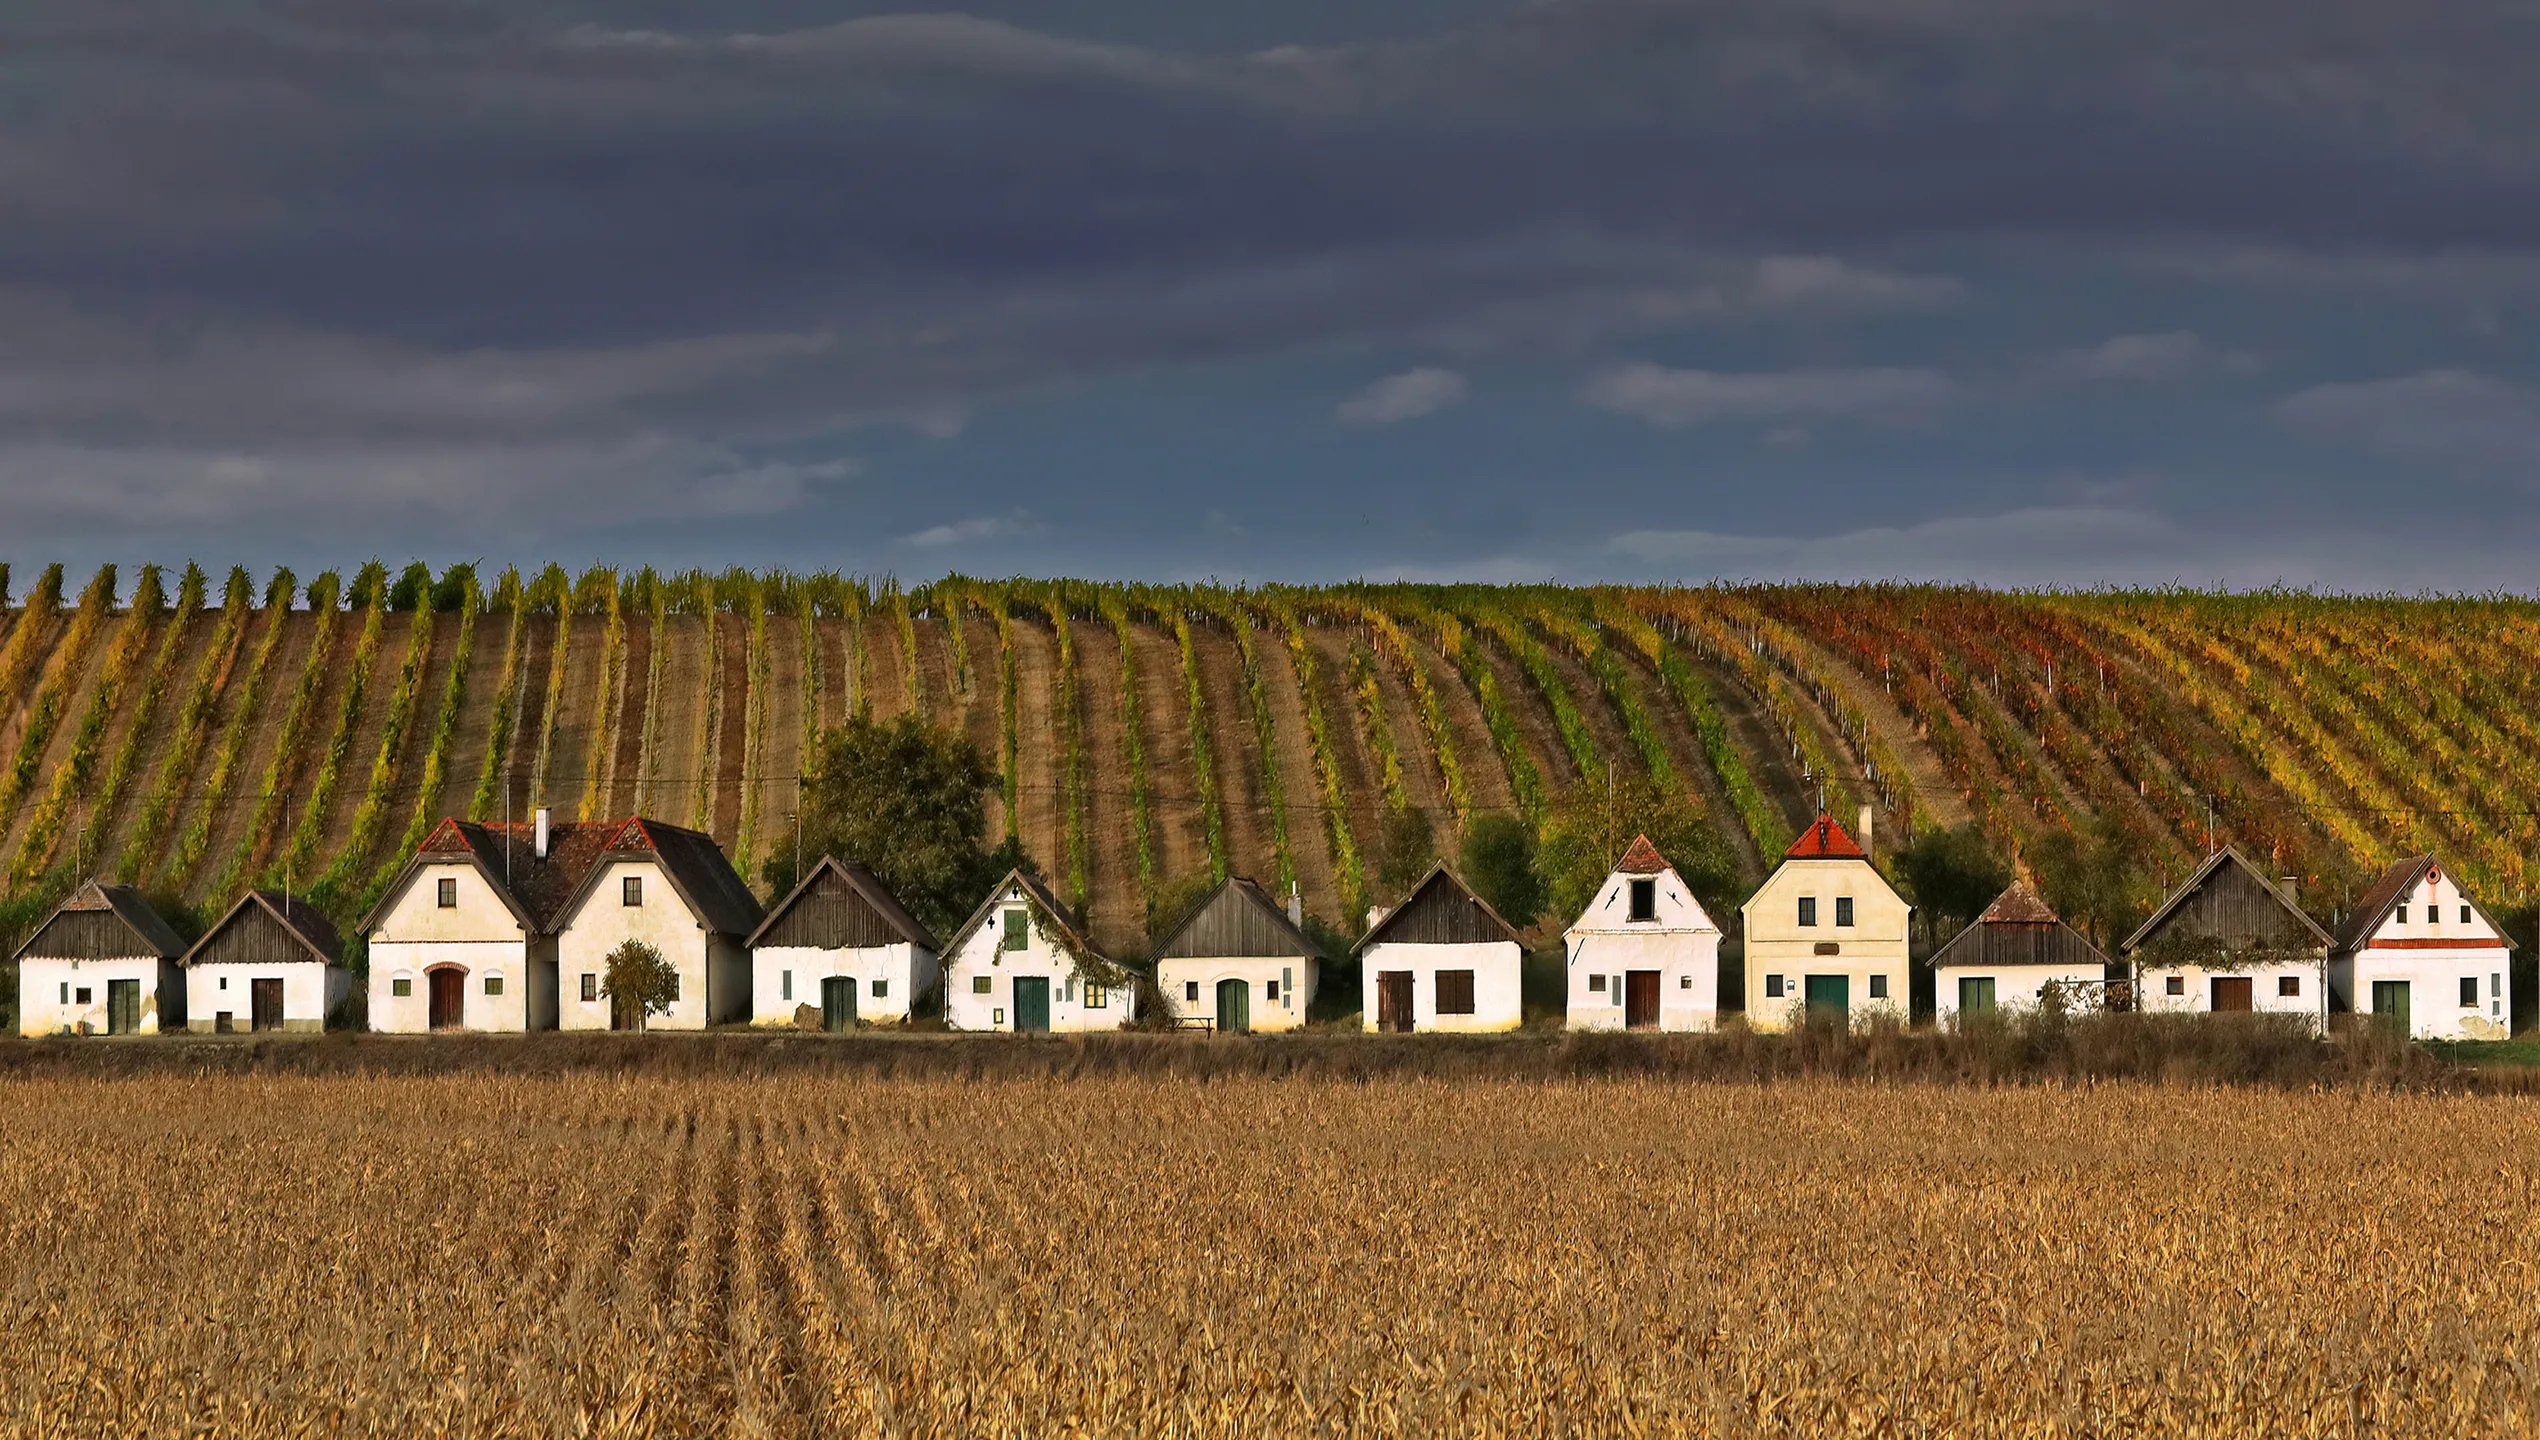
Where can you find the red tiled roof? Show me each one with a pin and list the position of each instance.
(1825, 840)
(1641, 859)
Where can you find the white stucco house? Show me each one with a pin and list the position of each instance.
(2017, 956)
(273, 963)
(1022, 963)
(843, 944)
(673, 889)
(2422, 955)
(2231, 940)
(1442, 960)
(1826, 935)
(1238, 962)
(463, 938)
(104, 963)
(1644, 954)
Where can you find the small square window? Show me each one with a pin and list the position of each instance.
(1878, 987)
(1096, 996)
(1455, 992)
(2288, 984)
(1190, 989)
(881, 988)
(590, 986)
(448, 894)
(1843, 909)
(630, 891)
(1685, 983)
(978, 984)
(1772, 987)
(402, 988)
(785, 984)
(1644, 899)
(1807, 909)
(83, 994)
(2175, 985)
(2469, 992)
(1597, 983)
(493, 984)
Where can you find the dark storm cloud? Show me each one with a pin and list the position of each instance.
(427, 240)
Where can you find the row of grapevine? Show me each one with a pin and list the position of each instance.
(1009, 717)
(608, 701)
(372, 814)
(370, 595)
(912, 679)
(552, 588)
(142, 851)
(1577, 741)
(277, 792)
(27, 637)
(1395, 645)
(1764, 824)
(648, 744)
(127, 761)
(1525, 778)
(757, 667)
(1240, 619)
(710, 710)
(1587, 641)
(1203, 760)
(132, 641)
(1378, 727)
(495, 771)
(1349, 870)
(436, 756)
(1715, 634)
(1133, 746)
(1071, 711)
(233, 740)
(61, 680)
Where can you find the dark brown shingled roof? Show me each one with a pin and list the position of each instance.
(1242, 920)
(2018, 928)
(2398, 881)
(539, 891)
(697, 867)
(1641, 858)
(128, 906)
(2019, 905)
(298, 918)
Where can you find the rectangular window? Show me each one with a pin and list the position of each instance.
(1096, 997)
(1807, 909)
(1975, 995)
(1843, 909)
(2469, 992)
(674, 988)
(1190, 989)
(1597, 983)
(1455, 992)
(590, 986)
(2465, 914)
(2402, 914)
(1685, 984)
(630, 891)
(785, 978)
(1878, 987)
(2288, 984)
(1018, 929)
(2175, 985)
(1271, 993)
(224, 982)
(1772, 987)
(881, 988)
(493, 984)
(402, 988)
(449, 894)
(66, 994)
(1644, 899)
(83, 994)
(979, 985)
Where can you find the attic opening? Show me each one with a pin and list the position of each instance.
(1644, 900)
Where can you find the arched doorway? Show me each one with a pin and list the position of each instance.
(448, 1005)
(1234, 1006)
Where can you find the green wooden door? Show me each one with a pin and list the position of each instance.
(1031, 1002)
(123, 1007)
(2390, 1001)
(1234, 1006)
(837, 1003)
(1829, 997)
(1975, 995)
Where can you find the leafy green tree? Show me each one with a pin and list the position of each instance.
(905, 799)
(1951, 875)
(412, 589)
(2093, 877)
(1589, 832)
(1499, 863)
(449, 592)
(639, 981)
(1406, 846)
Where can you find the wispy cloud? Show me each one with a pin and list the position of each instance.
(2457, 416)
(1677, 399)
(972, 531)
(2164, 356)
(1406, 396)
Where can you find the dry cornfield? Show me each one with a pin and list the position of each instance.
(484, 1255)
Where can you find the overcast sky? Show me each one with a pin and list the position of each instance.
(2020, 291)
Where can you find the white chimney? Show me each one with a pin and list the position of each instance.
(543, 813)
(1296, 906)
(1864, 836)
(1375, 916)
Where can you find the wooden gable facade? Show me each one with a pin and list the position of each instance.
(841, 906)
(100, 922)
(1237, 919)
(1441, 910)
(2229, 901)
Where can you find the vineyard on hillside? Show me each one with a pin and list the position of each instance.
(193, 733)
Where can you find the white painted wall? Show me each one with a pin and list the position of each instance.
(50, 991)
(2433, 940)
(1679, 941)
(1295, 978)
(904, 973)
(1871, 952)
(968, 1006)
(714, 978)
(411, 962)
(1498, 984)
(2195, 990)
(2016, 988)
(310, 993)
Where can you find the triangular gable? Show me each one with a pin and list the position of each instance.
(2233, 858)
(1642, 861)
(1441, 905)
(2399, 880)
(1040, 897)
(295, 920)
(452, 839)
(1238, 920)
(100, 913)
(1825, 840)
(1641, 858)
(698, 871)
(831, 875)
(2018, 928)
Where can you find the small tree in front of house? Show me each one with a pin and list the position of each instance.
(640, 981)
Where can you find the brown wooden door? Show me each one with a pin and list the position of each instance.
(449, 998)
(1393, 1001)
(1640, 999)
(264, 1001)
(2234, 994)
